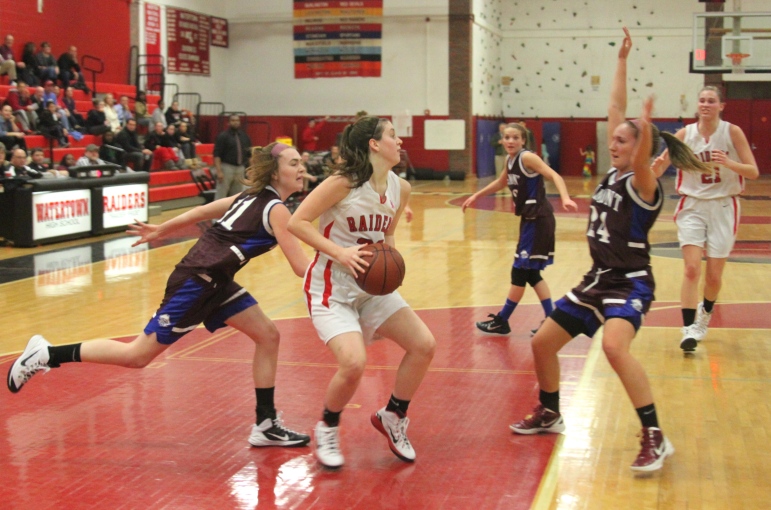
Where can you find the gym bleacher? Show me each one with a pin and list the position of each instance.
(168, 188)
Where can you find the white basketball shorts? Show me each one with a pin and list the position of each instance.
(711, 224)
(337, 305)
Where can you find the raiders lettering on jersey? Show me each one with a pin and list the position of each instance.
(369, 223)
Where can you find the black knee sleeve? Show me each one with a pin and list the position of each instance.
(519, 277)
(533, 277)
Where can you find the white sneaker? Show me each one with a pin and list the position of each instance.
(274, 433)
(328, 445)
(701, 324)
(688, 342)
(395, 429)
(32, 360)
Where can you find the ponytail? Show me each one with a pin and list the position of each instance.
(682, 156)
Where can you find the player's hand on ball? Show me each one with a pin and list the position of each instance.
(353, 258)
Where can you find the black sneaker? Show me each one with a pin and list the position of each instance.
(274, 433)
(495, 326)
(535, 330)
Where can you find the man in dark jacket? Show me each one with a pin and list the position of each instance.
(127, 140)
(231, 154)
(47, 68)
(69, 70)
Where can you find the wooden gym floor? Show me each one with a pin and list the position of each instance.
(174, 434)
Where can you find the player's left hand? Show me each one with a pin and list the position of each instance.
(719, 157)
(145, 231)
(569, 205)
(408, 214)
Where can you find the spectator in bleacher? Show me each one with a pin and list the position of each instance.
(67, 162)
(108, 151)
(310, 135)
(39, 164)
(38, 100)
(50, 95)
(110, 114)
(158, 142)
(22, 106)
(96, 122)
(140, 110)
(313, 174)
(173, 114)
(231, 149)
(5, 166)
(90, 157)
(19, 167)
(332, 159)
(51, 125)
(69, 70)
(158, 115)
(186, 141)
(29, 60)
(70, 107)
(170, 140)
(6, 56)
(140, 157)
(10, 135)
(46, 63)
(123, 111)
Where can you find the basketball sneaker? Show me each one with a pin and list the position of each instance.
(688, 343)
(274, 433)
(701, 324)
(32, 360)
(654, 449)
(495, 326)
(542, 420)
(395, 430)
(328, 445)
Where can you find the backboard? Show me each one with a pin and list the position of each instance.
(731, 42)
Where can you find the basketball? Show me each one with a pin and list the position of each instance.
(385, 272)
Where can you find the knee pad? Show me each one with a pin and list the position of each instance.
(533, 277)
(519, 277)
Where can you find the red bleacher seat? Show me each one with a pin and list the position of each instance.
(175, 191)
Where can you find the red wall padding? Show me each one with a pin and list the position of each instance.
(99, 28)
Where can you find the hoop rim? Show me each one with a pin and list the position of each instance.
(737, 58)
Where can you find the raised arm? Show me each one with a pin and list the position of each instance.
(148, 232)
(617, 105)
(644, 179)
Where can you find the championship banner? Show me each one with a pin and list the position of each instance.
(219, 32)
(337, 39)
(152, 29)
(187, 42)
(60, 213)
(124, 204)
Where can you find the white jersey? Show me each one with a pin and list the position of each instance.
(363, 216)
(723, 182)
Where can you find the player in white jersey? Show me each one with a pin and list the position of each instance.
(358, 205)
(707, 215)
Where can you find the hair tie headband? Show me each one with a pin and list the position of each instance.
(278, 149)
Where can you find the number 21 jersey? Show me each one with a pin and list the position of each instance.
(619, 221)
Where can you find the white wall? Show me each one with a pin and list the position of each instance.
(487, 93)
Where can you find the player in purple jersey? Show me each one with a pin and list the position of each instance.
(618, 290)
(524, 176)
(201, 288)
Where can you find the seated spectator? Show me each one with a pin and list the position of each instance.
(186, 141)
(29, 60)
(173, 114)
(332, 160)
(160, 143)
(39, 164)
(50, 94)
(314, 173)
(10, 134)
(24, 109)
(51, 125)
(123, 111)
(8, 61)
(37, 99)
(140, 157)
(70, 107)
(69, 71)
(140, 110)
(46, 63)
(91, 156)
(109, 150)
(158, 115)
(110, 114)
(96, 122)
(20, 169)
(170, 140)
(5, 166)
(67, 162)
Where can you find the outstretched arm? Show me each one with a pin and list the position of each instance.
(617, 105)
(644, 179)
(533, 162)
(290, 245)
(495, 186)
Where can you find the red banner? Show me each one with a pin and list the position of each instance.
(187, 42)
(152, 29)
(219, 32)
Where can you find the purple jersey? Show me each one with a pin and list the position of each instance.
(527, 189)
(242, 233)
(619, 222)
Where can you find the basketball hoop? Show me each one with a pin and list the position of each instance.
(736, 62)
